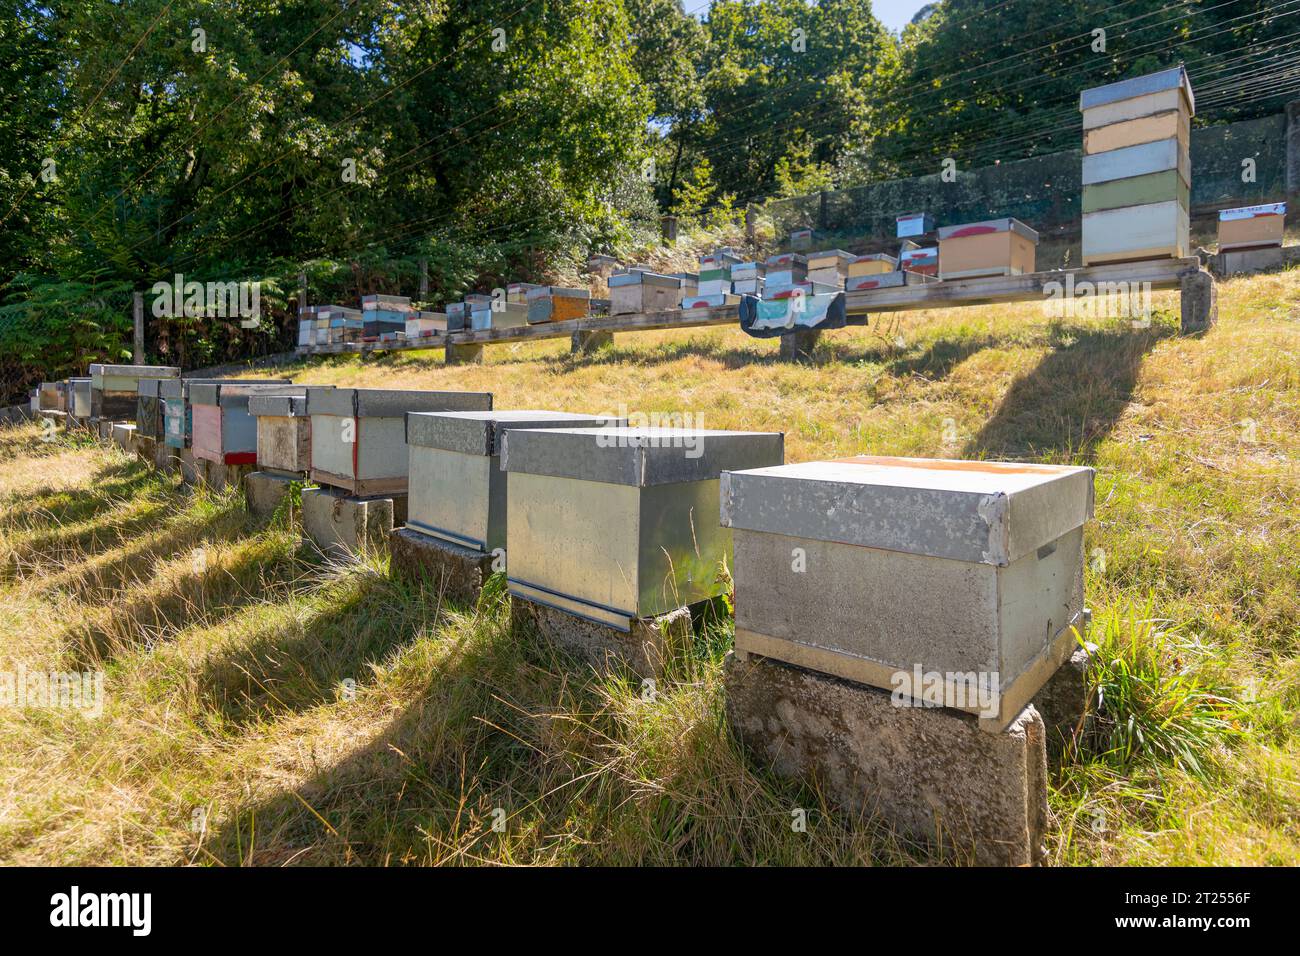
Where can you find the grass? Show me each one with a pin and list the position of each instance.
(266, 707)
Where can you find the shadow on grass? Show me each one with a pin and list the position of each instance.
(298, 664)
(1072, 400)
(202, 598)
(496, 727)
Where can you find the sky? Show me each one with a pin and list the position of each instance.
(894, 14)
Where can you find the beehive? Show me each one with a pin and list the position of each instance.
(283, 433)
(51, 397)
(615, 524)
(923, 261)
(556, 304)
(80, 395)
(1137, 168)
(871, 264)
(425, 324)
(829, 267)
(640, 291)
(911, 225)
(996, 247)
(870, 568)
(114, 389)
(457, 488)
(500, 315)
(177, 413)
(785, 269)
(518, 291)
(1252, 227)
(358, 435)
(222, 429)
(149, 421)
(886, 280)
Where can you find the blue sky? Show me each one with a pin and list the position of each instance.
(892, 13)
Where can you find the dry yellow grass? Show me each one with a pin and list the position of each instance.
(263, 708)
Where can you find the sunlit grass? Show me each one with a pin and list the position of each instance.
(265, 707)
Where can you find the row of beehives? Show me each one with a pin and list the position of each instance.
(387, 319)
(860, 567)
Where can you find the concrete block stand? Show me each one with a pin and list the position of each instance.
(336, 522)
(930, 773)
(123, 435)
(644, 649)
(456, 572)
(1064, 704)
(264, 490)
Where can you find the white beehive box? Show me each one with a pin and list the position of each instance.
(870, 568)
(614, 524)
(457, 488)
(358, 435)
(638, 291)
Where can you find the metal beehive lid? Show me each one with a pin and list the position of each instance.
(149, 387)
(977, 511)
(643, 278)
(551, 291)
(137, 371)
(391, 402)
(280, 406)
(479, 433)
(1170, 79)
(238, 392)
(988, 226)
(638, 456)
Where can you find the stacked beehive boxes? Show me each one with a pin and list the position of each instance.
(748, 278)
(865, 272)
(614, 525)
(1252, 227)
(830, 268)
(457, 488)
(550, 303)
(384, 316)
(114, 389)
(423, 325)
(51, 397)
(358, 435)
(947, 568)
(785, 271)
(996, 247)
(639, 290)
(715, 279)
(1137, 168)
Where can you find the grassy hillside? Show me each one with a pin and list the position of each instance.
(264, 707)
